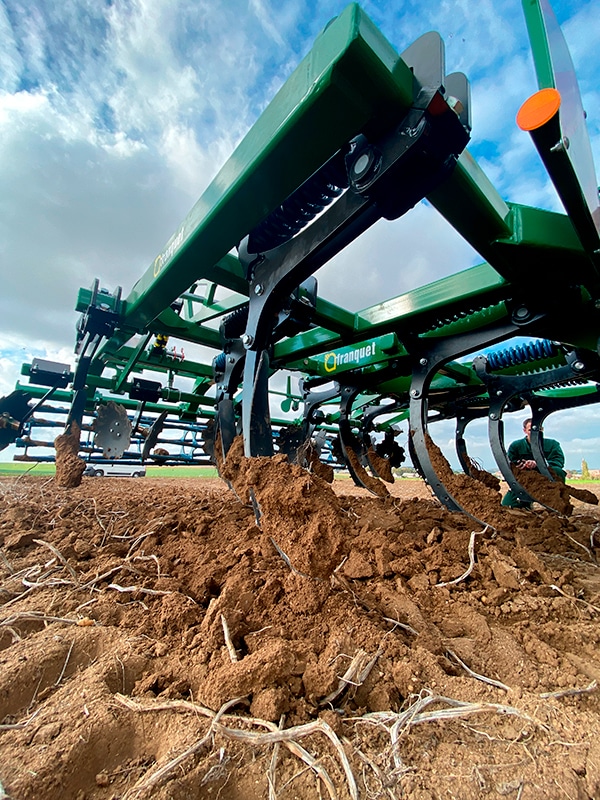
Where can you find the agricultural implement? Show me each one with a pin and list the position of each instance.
(358, 133)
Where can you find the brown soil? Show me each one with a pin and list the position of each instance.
(478, 493)
(373, 484)
(381, 466)
(314, 464)
(116, 597)
(69, 467)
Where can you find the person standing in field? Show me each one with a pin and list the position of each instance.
(520, 455)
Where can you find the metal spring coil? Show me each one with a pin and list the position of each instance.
(522, 354)
(301, 207)
(219, 363)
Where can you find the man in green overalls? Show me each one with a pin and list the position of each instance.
(520, 455)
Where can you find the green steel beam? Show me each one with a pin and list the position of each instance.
(66, 396)
(164, 364)
(351, 81)
(209, 312)
(521, 243)
(479, 283)
(333, 317)
(355, 357)
(471, 204)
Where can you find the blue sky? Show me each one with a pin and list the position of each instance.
(114, 117)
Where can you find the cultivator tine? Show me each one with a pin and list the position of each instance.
(460, 443)
(543, 404)
(98, 321)
(227, 369)
(296, 441)
(77, 410)
(536, 441)
(428, 358)
(255, 506)
(353, 449)
(137, 418)
(256, 416)
(226, 426)
(502, 389)
(80, 393)
(462, 420)
(382, 458)
(496, 435)
(418, 447)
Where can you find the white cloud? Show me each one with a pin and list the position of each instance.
(265, 18)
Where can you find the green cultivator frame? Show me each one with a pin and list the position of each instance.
(356, 134)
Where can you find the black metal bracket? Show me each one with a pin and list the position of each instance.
(541, 407)
(429, 356)
(228, 367)
(504, 388)
(386, 178)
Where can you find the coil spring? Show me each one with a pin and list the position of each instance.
(521, 354)
(301, 207)
(234, 324)
(219, 363)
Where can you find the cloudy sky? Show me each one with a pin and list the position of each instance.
(116, 114)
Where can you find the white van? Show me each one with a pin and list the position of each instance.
(115, 470)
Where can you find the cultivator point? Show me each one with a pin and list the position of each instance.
(357, 133)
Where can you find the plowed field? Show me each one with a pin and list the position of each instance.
(156, 642)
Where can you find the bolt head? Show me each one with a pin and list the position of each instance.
(578, 365)
(361, 164)
(521, 313)
(423, 362)
(415, 393)
(259, 289)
